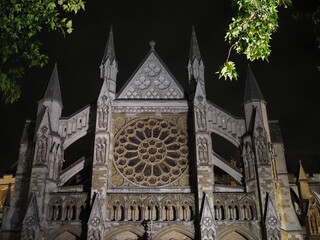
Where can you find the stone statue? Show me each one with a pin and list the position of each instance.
(101, 149)
(203, 150)
(103, 116)
(201, 117)
(41, 149)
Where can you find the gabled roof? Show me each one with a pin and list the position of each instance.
(151, 80)
(252, 90)
(109, 50)
(53, 91)
(194, 47)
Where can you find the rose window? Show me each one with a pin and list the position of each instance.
(151, 152)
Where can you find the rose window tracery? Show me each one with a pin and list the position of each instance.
(151, 152)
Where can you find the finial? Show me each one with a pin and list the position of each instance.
(152, 43)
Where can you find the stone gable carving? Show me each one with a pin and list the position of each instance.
(152, 81)
(272, 220)
(30, 224)
(207, 220)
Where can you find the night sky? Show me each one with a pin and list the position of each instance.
(289, 81)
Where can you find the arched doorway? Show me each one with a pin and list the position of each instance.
(126, 232)
(237, 233)
(66, 233)
(67, 236)
(234, 236)
(175, 233)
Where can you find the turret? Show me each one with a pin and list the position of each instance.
(52, 100)
(253, 99)
(109, 66)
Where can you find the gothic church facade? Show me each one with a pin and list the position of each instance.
(151, 174)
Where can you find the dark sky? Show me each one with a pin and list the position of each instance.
(289, 81)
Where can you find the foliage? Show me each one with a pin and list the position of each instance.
(228, 70)
(251, 30)
(20, 23)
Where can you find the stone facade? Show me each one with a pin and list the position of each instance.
(152, 171)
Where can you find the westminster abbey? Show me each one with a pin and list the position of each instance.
(153, 171)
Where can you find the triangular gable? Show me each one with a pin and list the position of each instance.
(43, 120)
(200, 93)
(206, 210)
(271, 218)
(152, 80)
(104, 93)
(96, 218)
(31, 217)
(207, 220)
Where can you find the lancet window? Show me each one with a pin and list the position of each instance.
(55, 209)
(185, 210)
(70, 209)
(117, 210)
(247, 209)
(219, 210)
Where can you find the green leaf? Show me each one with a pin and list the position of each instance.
(228, 71)
(69, 24)
(51, 5)
(21, 22)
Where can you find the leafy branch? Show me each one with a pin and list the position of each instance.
(250, 32)
(20, 23)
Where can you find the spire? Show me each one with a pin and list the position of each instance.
(252, 90)
(53, 91)
(194, 47)
(302, 173)
(304, 188)
(109, 50)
